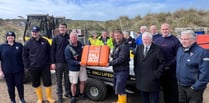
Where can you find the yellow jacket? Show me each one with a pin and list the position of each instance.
(95, 42)
(109, 42)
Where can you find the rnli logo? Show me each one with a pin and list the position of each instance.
(191, 54)
(93, 58)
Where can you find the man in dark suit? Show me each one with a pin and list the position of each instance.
(148, 66)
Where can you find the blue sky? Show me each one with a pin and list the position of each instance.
(95, 9)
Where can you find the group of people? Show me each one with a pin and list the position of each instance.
(104, 39)
(177, 66)
(38, 56)
(162, 62)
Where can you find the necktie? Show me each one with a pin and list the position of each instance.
(145, 51)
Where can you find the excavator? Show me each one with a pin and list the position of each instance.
(48, 25)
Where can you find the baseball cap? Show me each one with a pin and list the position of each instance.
(35, 29)
(10, 33)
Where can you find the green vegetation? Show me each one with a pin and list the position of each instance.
(179, 18)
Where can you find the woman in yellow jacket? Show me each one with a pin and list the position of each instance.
(93, 40)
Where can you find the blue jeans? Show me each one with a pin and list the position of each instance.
(120, 79)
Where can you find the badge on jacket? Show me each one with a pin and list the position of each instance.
(17, 48)
(191, 53)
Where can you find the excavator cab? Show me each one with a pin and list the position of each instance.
(58, 20)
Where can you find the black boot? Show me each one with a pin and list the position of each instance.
(82, 97)
(22, 101)
(60, 100)
(68, 95)
(73, 100)
(13, 101)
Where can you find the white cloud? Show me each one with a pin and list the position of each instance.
(94, 9)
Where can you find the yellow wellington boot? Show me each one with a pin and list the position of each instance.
(49, 95)
(117, 100)
(123, 98)
(39, 94)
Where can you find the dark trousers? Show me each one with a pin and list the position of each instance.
(150, 97)
(62, 70)
(169, 86)
(187, 95)
(120, 79)
(13, 80)
(40, 73)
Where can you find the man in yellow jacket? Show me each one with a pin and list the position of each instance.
(105, 40)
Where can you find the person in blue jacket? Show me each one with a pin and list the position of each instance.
(73, 53)
(192, 69)
(12, 68)
(139, 35)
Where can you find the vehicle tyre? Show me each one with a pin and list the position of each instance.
(95, 89)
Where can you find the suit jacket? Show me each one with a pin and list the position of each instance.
(148, 68)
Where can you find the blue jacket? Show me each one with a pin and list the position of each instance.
(72, 62)
(139, 39)
(11, 58)
(193, 67)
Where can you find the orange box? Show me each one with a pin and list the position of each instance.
(203, 41)
(95, 55)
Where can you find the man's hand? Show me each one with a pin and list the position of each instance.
(107, 65)
(53, 67)
(1, 74)
(76, 57)
(82, 64)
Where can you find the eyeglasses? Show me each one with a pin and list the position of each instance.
(185, 39)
